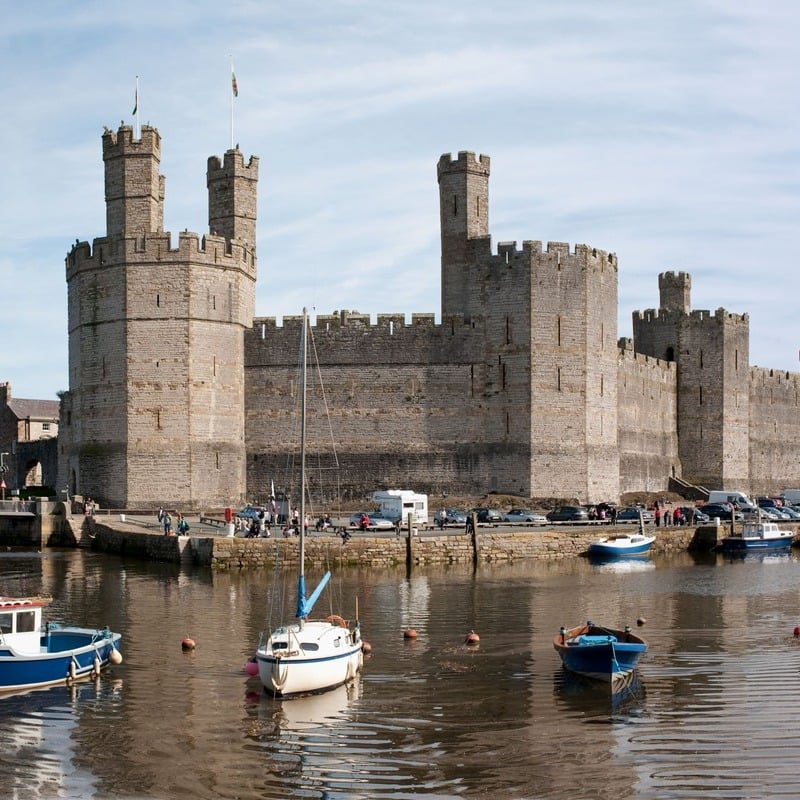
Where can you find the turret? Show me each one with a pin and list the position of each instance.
(675, 289)
(134, 189)
(232, 197)
(464, 217)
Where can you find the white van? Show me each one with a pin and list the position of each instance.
(791, 496)
(739, 499)
(398, 504)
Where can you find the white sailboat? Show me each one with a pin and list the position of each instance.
(307, 655)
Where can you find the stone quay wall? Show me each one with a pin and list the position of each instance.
(488, 546)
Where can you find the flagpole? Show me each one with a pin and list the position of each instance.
(233, 94)
(136, 124)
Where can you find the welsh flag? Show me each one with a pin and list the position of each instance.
(234, 85)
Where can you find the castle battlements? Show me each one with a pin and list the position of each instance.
(764, 375)
(352, 319)
(122, 142)
(151, 247)
(466, 162)
(655, 315)
(629, 356)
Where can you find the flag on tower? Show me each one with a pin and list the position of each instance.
(234, 85)
(136, 98)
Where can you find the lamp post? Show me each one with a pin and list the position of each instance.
(3, 470)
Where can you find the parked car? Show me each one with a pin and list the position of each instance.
(631, 514)
(568, 514)
(454, 516)
(698, 516)
(524, 515)
(722, 511)
(488, 515)
(377, 522)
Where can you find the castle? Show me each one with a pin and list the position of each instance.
(178, 394)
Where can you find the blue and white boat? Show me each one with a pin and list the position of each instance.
(597, 652)
(758, 536)
(623, 544)
(307, 656)
(33, 655)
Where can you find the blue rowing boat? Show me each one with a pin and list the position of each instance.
(605, 654)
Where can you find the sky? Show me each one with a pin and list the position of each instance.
(667, 133)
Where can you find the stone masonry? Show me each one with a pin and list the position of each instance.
(179, 396)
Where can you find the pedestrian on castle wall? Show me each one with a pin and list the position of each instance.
(677, 517)
(167, 521)
(296, 518)
(442, 518)
(469, 526)
(161, 515)
(183, 526)
(667, 517)
(252, 532)
(657, 514)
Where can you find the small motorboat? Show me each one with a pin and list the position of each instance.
(757, 536)
(32, 655)
(605, 654)
(623, 544)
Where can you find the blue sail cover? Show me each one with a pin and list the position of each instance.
(304, 605)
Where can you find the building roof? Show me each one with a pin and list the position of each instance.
(34, 409)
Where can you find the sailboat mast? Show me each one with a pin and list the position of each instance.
(302, 531)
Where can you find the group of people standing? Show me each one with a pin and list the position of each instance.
(665, 515)
(166, 521)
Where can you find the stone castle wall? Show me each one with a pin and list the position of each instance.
(178, 397)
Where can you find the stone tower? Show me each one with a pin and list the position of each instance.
(712, 354)
(464, 220)
(544, 354)
(155, 411)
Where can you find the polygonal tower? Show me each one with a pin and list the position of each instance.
(155, 411)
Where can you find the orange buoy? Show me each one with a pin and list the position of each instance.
(366, 647)
(188, 644)
(472, 638)
(641, 621)
(410, 633)
(797, 630)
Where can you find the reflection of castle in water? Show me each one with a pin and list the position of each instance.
(177, 389)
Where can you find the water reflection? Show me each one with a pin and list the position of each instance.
(431, 718)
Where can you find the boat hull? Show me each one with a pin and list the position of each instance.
(308, 658)
(599, 653)
(621, 546)
(66, 654)
(736, 544)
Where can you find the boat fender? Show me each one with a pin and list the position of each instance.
(409, 633)
(797, 630)
(366, 647)
(115, 657)
(251, 667)
(96, 666)
(641, 621)
(188, 644)
(71, 672)
(472, 638)
(335, 619)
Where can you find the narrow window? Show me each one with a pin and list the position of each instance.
(602, 385)
(558, 330)
(508, 330)
(701, 359)
(216, 456)
(504, 376)
(478, 207)
(558, 379)
(508, 423)
(214, 366)
(455, 205)
(158, 301)
(158, 419)
(701, 394)
(736, 360)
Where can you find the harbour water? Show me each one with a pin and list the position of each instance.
(712, 714)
